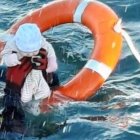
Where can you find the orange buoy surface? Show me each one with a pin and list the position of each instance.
(100, 19)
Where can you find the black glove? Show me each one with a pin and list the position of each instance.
(55, 81)
(40, 61)
(52, 79)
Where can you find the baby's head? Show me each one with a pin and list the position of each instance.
(28, 39)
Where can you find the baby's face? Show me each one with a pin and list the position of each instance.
(29, 54)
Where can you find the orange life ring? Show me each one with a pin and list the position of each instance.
(100, 19)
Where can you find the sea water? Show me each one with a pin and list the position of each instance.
(113, 114)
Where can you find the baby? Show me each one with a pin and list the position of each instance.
(28, 41)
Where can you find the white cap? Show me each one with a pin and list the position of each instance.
(28, 38)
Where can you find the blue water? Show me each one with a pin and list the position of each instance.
(113, 114)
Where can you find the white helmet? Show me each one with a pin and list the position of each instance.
(28, 38)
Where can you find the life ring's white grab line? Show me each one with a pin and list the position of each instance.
(131, 45)
(118, 29)
(94, 65)
(103, 69)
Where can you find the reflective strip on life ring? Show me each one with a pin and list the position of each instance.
(80, 10)
(100, 19)
(100, 68)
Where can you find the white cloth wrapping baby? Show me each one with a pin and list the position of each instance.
(35, 87)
